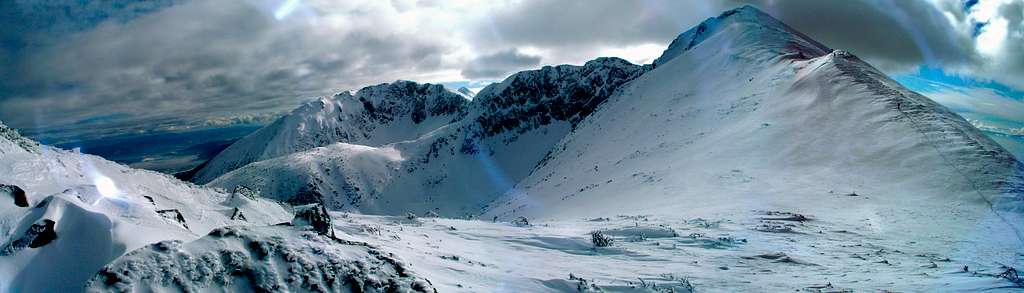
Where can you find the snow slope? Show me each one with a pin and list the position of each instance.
(754, 118)
(455, 169)
(753, 114)
(85, 211)
(659, 253)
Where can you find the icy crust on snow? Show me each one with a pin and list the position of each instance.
(373, 116)
(265, 259)
(85, 209)
(457, 168)
(754, 29)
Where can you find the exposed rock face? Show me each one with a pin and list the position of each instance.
(16, 193)
(20, 142)
(237, 214)
(314, 215)
(530, 99)
(267, 259)
(44, 234)
(174, 215)
(243, 191)
(38, 235)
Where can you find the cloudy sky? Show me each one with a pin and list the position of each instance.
(92, 68)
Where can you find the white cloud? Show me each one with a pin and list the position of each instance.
(977, 102)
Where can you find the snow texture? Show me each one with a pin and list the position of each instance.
(266, 259)
(82, 212)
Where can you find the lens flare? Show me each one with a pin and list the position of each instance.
(106, 186)
(286, 9)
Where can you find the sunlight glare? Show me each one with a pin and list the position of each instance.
(105, 186)
(287, 8)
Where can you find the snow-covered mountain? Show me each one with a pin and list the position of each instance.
(374, 116)
(757, 113)
(808, 153)
(741, 95)
(453, 170)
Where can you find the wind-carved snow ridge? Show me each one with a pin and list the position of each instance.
(958, 142)
(757, 28)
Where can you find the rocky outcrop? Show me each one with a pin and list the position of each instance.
(316, 216)
(268, 259)
(37, 235)
(15, 193)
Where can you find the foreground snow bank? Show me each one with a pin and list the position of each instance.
(276, 258)
(64, 215)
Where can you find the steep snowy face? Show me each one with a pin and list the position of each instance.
(457, 168)
(750, 28)
(722, 130)
(375, 115)
(73, 213)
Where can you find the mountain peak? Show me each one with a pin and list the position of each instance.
(748, 27)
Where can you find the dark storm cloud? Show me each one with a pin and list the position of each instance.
(890, 33)
(898, 33)
(895, 35)
(202, 59)
(499, 65)
(119, 64)
(578, 23)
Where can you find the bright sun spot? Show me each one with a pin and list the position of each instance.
(992, 36)
(105, 186)
(286, 9)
